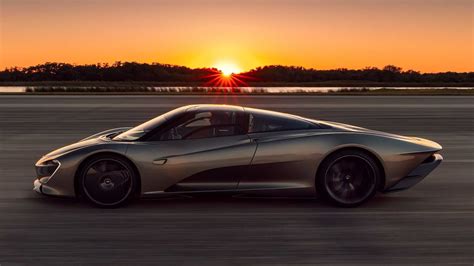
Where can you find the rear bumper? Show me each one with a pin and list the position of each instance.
(417, 174)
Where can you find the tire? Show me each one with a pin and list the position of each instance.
(348, 178)
(107, 181)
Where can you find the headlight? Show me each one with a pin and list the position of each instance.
(46, 170)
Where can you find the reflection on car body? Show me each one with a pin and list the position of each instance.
(215, 148)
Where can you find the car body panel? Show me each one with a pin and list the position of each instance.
(416, 175)
(279, 158)
(266, 161)
(107, 132)
(181, 160)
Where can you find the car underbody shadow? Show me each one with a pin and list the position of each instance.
(222, 200)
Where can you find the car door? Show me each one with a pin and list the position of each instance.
(285, 157)
(204, 151)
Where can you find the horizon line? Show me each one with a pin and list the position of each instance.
(247, 71)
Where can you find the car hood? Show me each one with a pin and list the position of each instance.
(72, 147)
(92, 140)
(113, 131)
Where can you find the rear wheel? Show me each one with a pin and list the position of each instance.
(348, 178)
(107, 181)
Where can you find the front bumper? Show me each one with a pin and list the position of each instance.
(417, 174)
(54, 178)
(37, 186)
(45, 170)
(44, 189)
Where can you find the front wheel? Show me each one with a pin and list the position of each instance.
(348, 178)
(107, 181)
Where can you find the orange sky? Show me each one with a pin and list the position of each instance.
(425, 35)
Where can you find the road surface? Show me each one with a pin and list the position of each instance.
(431, 223)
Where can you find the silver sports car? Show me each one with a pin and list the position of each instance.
(223, 148)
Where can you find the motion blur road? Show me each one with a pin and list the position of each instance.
(430, 223)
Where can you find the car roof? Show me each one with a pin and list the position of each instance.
(213, 107)
(225, 107)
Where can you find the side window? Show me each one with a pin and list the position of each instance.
(205, 124)
(260, 122)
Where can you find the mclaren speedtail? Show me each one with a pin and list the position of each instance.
(223, 148)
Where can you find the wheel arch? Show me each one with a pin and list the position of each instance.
(105, 153)
(369, 152)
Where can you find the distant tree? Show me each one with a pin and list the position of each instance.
(133, 71)
(392, 68)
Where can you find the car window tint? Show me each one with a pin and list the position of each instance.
(261, 122)
(213, 131)
(204, 125)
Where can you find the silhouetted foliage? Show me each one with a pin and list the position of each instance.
(128, 71)
(387, 74)
(131, 71)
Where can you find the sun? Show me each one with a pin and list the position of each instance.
(226, 73)
(227, 68)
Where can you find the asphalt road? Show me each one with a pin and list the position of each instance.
(430, 224)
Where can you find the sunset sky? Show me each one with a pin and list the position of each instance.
(425, 35)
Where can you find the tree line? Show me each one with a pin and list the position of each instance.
(389, 73)
(155, 72)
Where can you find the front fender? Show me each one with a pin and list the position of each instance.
(63, 181)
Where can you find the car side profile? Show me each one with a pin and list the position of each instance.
(224, 148)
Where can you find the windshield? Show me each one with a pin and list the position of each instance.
(140, 130)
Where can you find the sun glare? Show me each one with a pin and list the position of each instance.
(226, 74)
(227, 69)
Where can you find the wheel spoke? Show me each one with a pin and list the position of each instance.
(344, 192)
(124, 177)
(339, 186)
(351, 187)
(100, 167)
